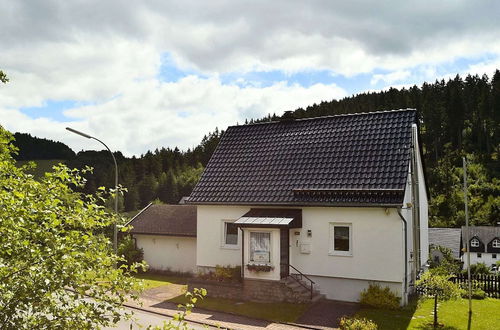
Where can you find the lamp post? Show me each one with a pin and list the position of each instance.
(115, 232)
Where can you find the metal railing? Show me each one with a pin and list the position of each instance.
(301, 275)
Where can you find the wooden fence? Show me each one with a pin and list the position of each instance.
(490, 284)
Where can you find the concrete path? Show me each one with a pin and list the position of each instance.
(142, 319)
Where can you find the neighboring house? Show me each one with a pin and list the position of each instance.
(445, 237)
(484, 245)
(167, 235)
(329, 197)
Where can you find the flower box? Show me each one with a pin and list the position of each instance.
(259, 268)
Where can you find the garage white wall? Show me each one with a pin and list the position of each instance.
(173, 253)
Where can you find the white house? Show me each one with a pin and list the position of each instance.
(445, 237)
(167, 235)
(340, 199)
(484, 245)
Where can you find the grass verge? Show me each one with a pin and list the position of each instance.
(276, 312)
(156, 280)
(452, 314)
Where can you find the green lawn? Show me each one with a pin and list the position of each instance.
(156, 280)
(452, 314)
(277, 312)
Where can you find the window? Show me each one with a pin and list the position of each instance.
(494, 256)
(230, 235)
(496, 243)
(260, 251)
(474, 242)
(340, 239)
(479, 255)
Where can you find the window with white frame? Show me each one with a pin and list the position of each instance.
(496, 243)
(474, 242)
(260, 247)
(230, 234)
(341, 239)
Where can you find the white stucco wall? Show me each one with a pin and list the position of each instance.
(349, 290)
(424, 209)
(377, 247)
(377, 250)
(486, 258)
(173, 253)
(210, 250)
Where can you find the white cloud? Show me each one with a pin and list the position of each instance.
(108, 53)
(390, 77)
(151, 115)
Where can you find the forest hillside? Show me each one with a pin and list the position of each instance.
(458, 117)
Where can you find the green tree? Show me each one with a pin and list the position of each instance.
(167, 188)
(52, 257)
(131, 202)
(147, 189)
(440, 287)
(3, 77)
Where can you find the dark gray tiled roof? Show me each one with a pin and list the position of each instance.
(485, 233)
(359, 159)
(447, 237)
(172, 220)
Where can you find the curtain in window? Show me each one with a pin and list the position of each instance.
(259, 247)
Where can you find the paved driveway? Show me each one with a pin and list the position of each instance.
(142, 319)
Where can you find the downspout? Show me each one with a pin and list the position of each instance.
(405, 225)
(242, 254)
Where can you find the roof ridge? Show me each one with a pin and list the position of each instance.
(135, 216)
(329, 116)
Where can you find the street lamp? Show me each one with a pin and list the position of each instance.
(115, 232)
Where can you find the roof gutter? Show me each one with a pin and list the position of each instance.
(405, 225)
(298, 204)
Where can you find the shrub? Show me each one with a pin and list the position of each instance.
(431, 284)
(355, 323)
(478, 269)
(129, 251)
(379, 297)
(477, 290)
(478, 294)
(222, 274)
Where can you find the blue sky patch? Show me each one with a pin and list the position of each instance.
(52, 109)
(170, 72)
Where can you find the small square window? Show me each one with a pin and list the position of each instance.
(479, 255)
(340, 239)
(474, 242)
(496, 243)
(494, 255)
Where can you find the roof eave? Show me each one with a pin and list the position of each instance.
(162, 234)
(389, 205)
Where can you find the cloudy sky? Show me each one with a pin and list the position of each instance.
(147, 74)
